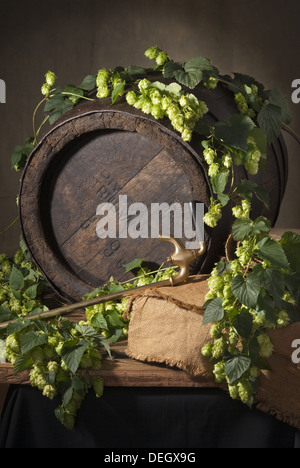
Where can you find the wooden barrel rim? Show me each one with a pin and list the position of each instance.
(57, 274)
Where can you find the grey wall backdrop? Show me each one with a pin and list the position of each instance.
(74, 38)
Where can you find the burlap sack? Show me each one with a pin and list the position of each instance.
(166, 327)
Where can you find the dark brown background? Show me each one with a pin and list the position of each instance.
(75, 38)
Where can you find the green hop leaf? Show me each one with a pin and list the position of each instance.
(270, 121)
(137, 263)
(245, 227)
(31, 339)
(234, 132)
(270, 250)
(72, 355)
(16, 280)
(246, 290)
(247, 188)
(214, 311)
(88, 83)
(170, 69)
(290, 243)
(236, 367)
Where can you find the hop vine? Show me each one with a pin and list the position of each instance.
(248, 296)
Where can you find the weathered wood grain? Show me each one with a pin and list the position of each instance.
(122, 371)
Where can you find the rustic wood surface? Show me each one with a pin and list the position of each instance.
(121, 371)
(69, 177)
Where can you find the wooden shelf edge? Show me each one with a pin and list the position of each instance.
(121, 371)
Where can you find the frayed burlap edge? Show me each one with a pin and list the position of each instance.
(192, 370)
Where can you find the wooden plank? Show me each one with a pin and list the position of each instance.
(121, 371)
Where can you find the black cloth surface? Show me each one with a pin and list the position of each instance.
(142, 418)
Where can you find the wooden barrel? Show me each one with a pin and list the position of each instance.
(97, 152)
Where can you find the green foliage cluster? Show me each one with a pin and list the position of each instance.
(268, 108)
(58, 352)
(110, 317)
(54, 351)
